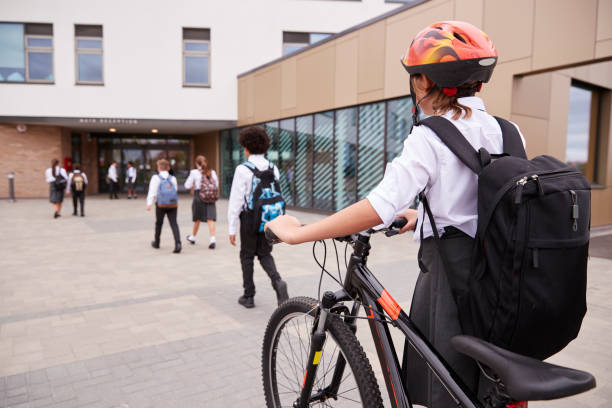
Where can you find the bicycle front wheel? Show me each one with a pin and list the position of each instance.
(285, 353)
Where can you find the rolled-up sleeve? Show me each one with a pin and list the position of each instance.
(405, 177)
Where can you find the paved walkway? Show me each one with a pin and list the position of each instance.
(92, 316)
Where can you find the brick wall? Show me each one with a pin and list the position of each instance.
(28, 155)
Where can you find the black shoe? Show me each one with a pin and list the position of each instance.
(247, 302)
(212, 245)
(75, 214)
(192, 242)
(280, 287)
(55, 215)
(82, 215)
(177, 248)
(129, 197)
(155, 244)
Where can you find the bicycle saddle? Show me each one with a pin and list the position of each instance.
(525, 378)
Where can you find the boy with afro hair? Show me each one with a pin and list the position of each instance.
(256, 142)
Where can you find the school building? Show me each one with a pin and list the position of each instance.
(138, 80)
(335, 100)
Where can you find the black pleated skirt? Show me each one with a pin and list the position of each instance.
(55, 196)
(201, 211)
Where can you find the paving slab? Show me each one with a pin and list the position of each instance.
(92, 316)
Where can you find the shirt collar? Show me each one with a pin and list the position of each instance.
(256, 157)
(473, 102)
(164, 173)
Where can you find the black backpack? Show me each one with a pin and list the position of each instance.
(527, 289)
(265, 202)
(60, 182)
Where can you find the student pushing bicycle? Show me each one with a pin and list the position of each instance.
(453, 146)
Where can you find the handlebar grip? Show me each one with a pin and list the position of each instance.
(271, 236)
(399, 223)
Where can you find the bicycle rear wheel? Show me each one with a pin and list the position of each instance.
(285, 352)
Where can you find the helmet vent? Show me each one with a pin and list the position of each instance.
(460, 38)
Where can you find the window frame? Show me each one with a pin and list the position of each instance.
(78, 51)
(193, 53)
(28, 49)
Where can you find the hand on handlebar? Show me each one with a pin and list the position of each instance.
(285, 228)
(411, 215)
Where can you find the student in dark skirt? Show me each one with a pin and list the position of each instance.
(201, 211)
(56, 192)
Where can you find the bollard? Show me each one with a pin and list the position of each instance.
(11, 178)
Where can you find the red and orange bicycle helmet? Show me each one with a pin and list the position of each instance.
(451, 54)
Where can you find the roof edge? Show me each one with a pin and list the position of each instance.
(338, 35)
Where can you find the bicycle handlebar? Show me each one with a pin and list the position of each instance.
(390, 231)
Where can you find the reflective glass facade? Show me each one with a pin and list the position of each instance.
(328, 160)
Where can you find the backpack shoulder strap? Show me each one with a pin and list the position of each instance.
(513, 145)
(455, 141)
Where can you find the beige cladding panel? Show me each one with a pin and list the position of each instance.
(316, 73)
(497, 93)
(242, 97)
(509, 24)
(470, 11)
(535, 132)
(400, 33)
(288, 84)
(347, 52)
(604, 18)
(564, 32)
(371, 65)
(531, 95)
(558, 117)
(267, 94)
(603, 49)
(601, 210)
(599, 74)
(250, 97)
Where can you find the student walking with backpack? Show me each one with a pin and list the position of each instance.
(448, 62)
(205, 183)
(163, 191)
(253, 207)
(57, 178)
(77, 183)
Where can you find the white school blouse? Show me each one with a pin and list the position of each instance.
(50, 177)
(195, 179)
(241, 188)
(131, 175)
(426, 163)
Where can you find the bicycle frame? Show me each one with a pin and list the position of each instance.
(360, 284)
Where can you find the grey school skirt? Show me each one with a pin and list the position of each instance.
(201, 211)
(55, 196)
(434, 312)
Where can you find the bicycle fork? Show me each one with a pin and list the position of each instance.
(314, 356)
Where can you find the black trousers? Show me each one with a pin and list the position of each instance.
(78, 197)
(160, 213)
(434, 311)
(114, 188)
(251, 245)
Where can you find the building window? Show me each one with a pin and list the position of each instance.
(293, 41)
(26, 53)
(324, 161)
(370, 156)
(196, 57)
(345, 158)
(88, 43)
(75, 140)
(304, 160)
(583, 128)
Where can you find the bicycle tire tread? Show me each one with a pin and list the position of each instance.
(344, 337)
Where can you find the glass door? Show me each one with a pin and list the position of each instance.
(136, 156)
(179, 161)
(106, 157)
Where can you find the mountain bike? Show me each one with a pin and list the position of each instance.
(311, 356)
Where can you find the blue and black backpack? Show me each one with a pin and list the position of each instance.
(265, 202)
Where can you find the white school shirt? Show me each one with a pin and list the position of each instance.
(426, 163)
(154, 185)
(241, 188)
(70, 179)
(50, 178)
(112, 173)
(131, 175)
(195, 179)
